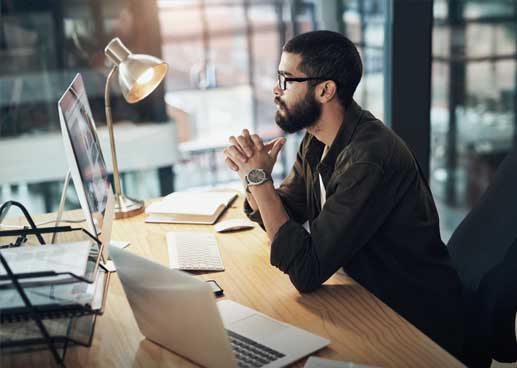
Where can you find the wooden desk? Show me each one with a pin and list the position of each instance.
(362, 329)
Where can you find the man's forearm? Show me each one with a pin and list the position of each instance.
(272, 211)
(249, 197)
(251, 201)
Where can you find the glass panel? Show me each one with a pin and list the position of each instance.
(364, 25)
(43, 45)
(473, 115)
(478, 9)
(182, 42)
(227, 57)
(266, 21)
(220, 80)
(226, 84)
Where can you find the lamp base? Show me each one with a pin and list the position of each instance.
(127, 207)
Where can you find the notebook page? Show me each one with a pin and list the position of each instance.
(205, 203)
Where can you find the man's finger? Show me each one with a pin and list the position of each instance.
(234, 154)
(271, 143)
(277, 146)
(246, 143)
(231, 164)
(234, 142)
(257, 141)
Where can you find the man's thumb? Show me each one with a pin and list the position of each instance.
(270, 144)
(277, 146)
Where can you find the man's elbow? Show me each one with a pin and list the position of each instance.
(305, 284)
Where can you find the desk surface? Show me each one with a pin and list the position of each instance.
(361, 328)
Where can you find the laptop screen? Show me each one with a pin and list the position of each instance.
(84, 153)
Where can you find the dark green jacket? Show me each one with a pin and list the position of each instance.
(379, 223)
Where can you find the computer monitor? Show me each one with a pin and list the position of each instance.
(84, 154)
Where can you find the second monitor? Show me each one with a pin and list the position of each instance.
(84, 154)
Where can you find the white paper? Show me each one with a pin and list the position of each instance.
(190, 203)
(63, 257)
(167, 219)
(315, 362)
(64, 294)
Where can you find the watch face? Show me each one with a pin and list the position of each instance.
(256, 176)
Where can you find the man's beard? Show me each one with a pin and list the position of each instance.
(302, 115)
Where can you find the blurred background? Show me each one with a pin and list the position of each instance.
(223, 57)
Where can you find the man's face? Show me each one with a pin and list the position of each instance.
(297, 107)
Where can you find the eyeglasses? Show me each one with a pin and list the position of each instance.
(282, 80)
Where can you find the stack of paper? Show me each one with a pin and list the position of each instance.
(64, 257)
(63, 294)
(63, 289)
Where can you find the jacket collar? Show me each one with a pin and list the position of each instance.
(342, 139)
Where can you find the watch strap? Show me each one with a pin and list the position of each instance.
(257, 184)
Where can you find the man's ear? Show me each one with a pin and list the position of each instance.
(327, 91)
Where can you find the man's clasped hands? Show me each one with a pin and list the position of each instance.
(247, 152)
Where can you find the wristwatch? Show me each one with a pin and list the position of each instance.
(257, 177)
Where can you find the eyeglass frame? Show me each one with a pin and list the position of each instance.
(296, 79)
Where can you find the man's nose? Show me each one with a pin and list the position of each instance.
(277, 91)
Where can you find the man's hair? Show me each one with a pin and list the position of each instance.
(330, 55)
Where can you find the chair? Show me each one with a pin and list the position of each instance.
(484, 251)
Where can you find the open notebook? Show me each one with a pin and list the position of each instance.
(190, 207)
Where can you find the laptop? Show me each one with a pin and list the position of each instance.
(179, 312)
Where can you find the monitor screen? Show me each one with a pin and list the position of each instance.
(84, 153)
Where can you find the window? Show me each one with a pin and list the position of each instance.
(220, 80)
(364, 25)
(473, 110)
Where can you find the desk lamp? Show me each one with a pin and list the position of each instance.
(138, 76)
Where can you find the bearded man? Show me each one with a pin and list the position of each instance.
(356, 186)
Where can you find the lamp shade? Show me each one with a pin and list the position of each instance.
(138, 74)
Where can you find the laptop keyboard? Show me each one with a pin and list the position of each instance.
(193, 251)
(250, 353)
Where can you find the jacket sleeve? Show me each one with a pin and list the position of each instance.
(350, 216)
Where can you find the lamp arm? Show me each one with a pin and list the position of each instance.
(109, 123)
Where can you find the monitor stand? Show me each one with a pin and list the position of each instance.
(61, 208)
(61, 203)
(107, 223)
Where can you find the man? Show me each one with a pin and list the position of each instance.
(357, 185)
